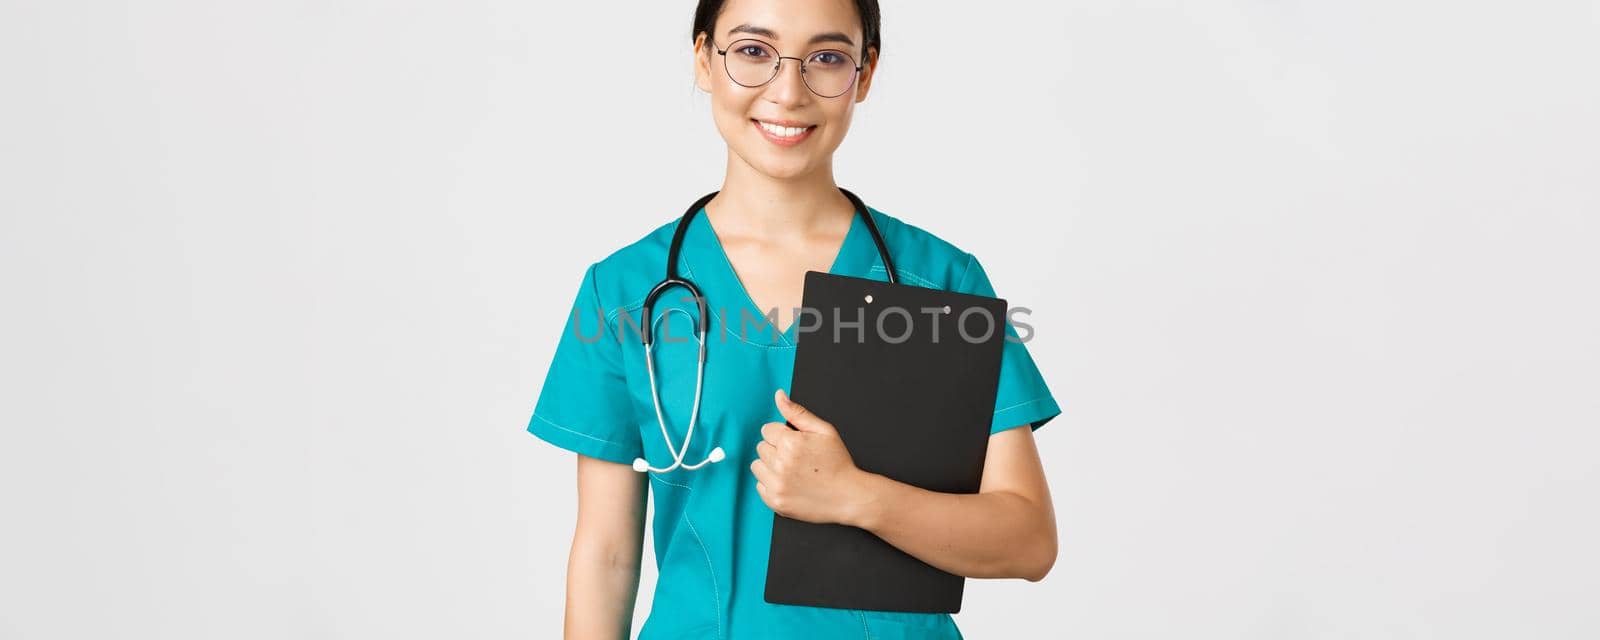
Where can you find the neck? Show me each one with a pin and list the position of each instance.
(753, 204)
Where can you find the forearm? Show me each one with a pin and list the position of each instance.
(602, 584)
(996, 534)
(607, 546)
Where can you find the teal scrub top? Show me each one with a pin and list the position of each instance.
(711, 529)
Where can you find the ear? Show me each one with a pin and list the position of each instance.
(702, 62)
(864, 83)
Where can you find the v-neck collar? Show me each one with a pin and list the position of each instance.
(726, 296)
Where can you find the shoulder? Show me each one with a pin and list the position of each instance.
(623, 277)
(921, 257)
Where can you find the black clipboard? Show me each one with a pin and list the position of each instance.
(915, 410)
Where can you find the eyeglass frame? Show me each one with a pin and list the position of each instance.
(777, 66)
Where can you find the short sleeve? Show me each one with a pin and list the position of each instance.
(584, 405)
(1022, 396)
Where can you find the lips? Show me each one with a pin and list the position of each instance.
(783, 133)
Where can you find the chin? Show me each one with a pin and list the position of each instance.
(778, 167)
(785, 170)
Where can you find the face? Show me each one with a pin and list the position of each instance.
(802, 128)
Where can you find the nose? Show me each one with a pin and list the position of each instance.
(789, 88)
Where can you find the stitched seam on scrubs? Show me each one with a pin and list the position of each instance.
(594, 290)
(865, 632)
(658, 478)
(727, 331)
(637, 304)
(630, 308)
(904, 275)
(716, 594)
(962, 283)
(1020, 404)
(574, 431)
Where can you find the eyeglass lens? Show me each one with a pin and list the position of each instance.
(752, 63)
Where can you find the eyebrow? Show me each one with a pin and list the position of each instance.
(832, 36)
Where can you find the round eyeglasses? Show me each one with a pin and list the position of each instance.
(751, 63)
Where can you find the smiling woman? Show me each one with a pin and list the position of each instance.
(784, 77)
(831, 48)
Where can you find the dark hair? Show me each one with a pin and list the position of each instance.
(705, 19)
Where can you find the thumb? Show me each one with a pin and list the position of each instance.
(801, 417)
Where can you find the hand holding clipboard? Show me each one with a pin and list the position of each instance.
(911, 395)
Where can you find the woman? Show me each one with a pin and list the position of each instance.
(777, 215)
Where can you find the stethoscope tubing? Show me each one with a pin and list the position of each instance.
(702, 331)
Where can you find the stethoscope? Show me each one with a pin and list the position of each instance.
(701, 331)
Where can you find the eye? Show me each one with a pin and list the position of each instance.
(751, 51)
(829, 59)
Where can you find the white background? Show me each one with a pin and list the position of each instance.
(1314, 281)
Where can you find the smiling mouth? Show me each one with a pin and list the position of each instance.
(782, 131)
(783, 135)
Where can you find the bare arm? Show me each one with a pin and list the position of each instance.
(1006, 530)
(607, 547)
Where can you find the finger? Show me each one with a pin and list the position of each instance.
(764, 492)
(766, 481)
(801, 417)
(775, 433)
(761, 472)
(765, 450)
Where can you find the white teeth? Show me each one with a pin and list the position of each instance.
(782, 132)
